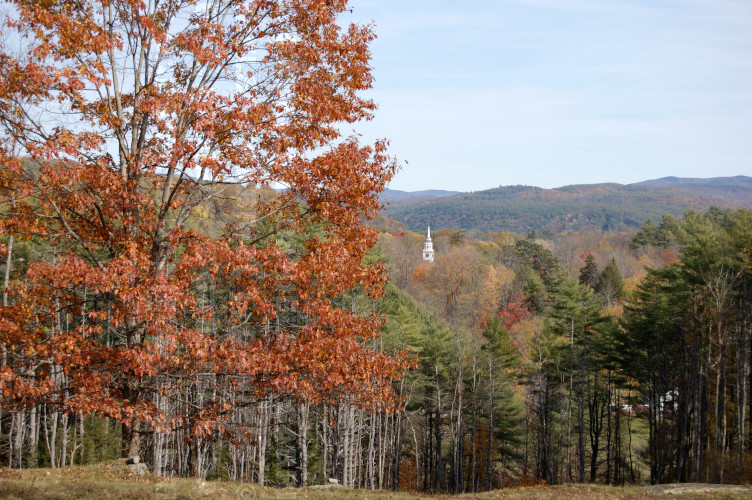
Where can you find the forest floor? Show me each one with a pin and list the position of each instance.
(113, 480)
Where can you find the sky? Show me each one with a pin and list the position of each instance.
(477, 94)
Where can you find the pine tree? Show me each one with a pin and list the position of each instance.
(589, 273)
(645, 235)
(665, 234)
(504, 414)
(610, 284)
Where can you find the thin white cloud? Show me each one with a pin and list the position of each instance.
(615, 7)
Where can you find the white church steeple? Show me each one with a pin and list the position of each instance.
(428, 248)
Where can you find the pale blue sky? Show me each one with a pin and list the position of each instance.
(480, 93)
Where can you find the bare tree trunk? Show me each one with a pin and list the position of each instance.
(742, 379)
(417, 459)
(724, 412)
(4, 353)
(608, 428)
(458, 438)
(81, 427)
(6, 278)
(33, 436)
(263, 424)
(382, 450)
(302, 440)
(325, 440)
(64, 446)
(437, 442)
(474, 430)
(50, 436)
(352, 445)
(343, 427)
(569, 403)
(396, 451)
(489, 449)
(17, 440)
(581, 431)
(359, 449)
(371, 455)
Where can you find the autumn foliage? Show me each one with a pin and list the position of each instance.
(120, 119)
(516, 311)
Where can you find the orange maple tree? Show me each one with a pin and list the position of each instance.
(120, 119)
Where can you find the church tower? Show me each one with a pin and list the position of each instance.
(428, 248)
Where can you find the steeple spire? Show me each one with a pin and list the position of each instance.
(428, 248)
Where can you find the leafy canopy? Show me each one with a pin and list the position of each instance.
(120, 121)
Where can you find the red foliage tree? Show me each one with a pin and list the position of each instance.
(130, 115)
(517, 310)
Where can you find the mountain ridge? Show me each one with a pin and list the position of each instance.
(737, 180)
(576, 207)
(398, 197)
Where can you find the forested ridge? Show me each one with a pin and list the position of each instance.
(605, 207)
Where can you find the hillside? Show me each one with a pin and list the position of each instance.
(739, 180)
(397, 197)
(608, 207)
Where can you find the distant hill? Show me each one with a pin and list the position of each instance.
(739, 180)
(397, 197)
(730, 189)
(609, 207)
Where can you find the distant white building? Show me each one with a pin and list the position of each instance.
(428, 248)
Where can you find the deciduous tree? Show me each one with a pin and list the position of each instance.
(119, 120)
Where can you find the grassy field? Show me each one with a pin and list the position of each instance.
(113, 480)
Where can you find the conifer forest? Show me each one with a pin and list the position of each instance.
(196, 271)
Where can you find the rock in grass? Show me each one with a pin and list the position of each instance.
(135, 464)
(139, 469)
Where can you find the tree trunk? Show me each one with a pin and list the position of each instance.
(131, 443)
(371, 454)
(489, 449)
(6, 278)
(569, 403)
(263, 430)
(302, 444)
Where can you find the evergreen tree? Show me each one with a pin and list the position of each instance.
(665, 234)
(645, 235)
(540, 259)
(610, 284)
(532, 287)
(504, 414)
(577, 317)
(589, 273)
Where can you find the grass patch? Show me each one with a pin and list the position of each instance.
(113, 480)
